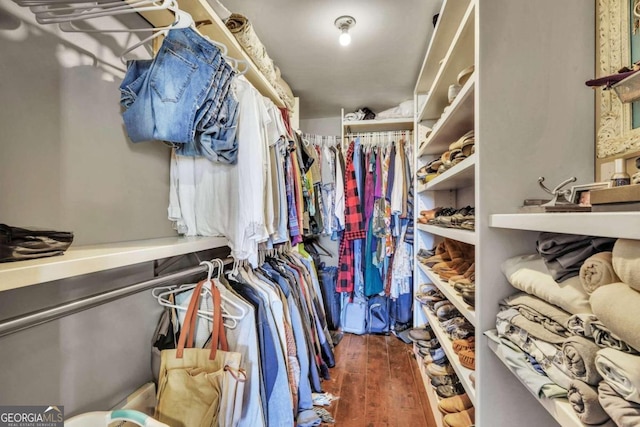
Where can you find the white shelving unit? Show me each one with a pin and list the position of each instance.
(447, 290)
(80, 260)
(559, 409)
(466, 236)
(608, 224)
(446, 344)
(531, 117)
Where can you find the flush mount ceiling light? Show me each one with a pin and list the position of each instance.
(344, 23)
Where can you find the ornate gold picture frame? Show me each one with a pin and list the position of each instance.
(615, 136)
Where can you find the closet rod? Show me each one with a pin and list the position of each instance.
(19, 323)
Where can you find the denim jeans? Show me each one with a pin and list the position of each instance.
(183, 96)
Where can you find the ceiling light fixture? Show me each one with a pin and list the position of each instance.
(344, 23)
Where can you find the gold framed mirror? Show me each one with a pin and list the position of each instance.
(615, 135)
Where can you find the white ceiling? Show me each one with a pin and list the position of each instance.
(378, 69)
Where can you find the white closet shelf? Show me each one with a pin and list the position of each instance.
(446, 344)
(451, 294)
(455, 122)
(460, 176)
(466, 236)
(449, 18)
(607, 224)
(382, 125)
(202, 12)
(459, 56)
(430, 391)
(560, 409)
(78, 260)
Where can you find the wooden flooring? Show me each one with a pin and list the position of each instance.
(378, 382)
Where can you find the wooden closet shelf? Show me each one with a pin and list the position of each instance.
(78, 260)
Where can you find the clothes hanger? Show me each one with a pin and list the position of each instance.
(162, 295)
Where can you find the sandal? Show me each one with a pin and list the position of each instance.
(468, 359)
(464, 344)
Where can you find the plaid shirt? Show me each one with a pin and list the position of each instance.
(353, 218)
(353, 226)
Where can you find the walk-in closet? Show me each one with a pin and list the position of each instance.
(297, 213)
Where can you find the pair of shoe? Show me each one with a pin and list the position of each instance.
(468, 359)
(421, 334)
(445, 391)
(445, 310)
(458, 328)
(457, 261)
(455, 404)
(464, 418)
(436, 370)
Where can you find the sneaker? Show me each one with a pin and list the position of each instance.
(439, 380)
(433, 369)
(445, 391)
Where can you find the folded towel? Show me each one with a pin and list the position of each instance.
(528, 273)
(604, 338)
(621, 371)
(626, 262)
(539, 311)
(584, 401)
(616, 306)
(580, 324)
(563, 254)
(548, 356)
(351, 117)
(597, 271)
(621, 411)
(580, 356)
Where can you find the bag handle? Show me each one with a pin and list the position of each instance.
(218, 335)
(186, 334)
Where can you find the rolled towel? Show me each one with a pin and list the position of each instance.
(604, 338)
(529, 274)
(616, 306)
(580, 324)
(621, 411)
(584, 401)
(626, 262)
(621, 371)
(597, 271)
(580, 357)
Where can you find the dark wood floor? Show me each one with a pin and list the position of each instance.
(378, 383)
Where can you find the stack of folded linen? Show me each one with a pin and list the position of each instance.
(582, 332)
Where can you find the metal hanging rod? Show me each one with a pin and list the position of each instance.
(19, 323)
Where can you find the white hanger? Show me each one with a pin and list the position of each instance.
(162, 293)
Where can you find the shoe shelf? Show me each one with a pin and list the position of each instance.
(608, 224)
(455, 122)
(451, 294)
(459, 176)
(466, 236)
(449, 19)
(78, 260)
(459, 56)
(382, 125)
(446, 344)
(560, 409)
(432, 396)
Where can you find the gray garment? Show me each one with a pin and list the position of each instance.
(280, 404)
(584, 401)
(244, 340)
(518, 363)
(621, 411)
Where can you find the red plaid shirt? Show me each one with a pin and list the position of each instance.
(353, 226)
